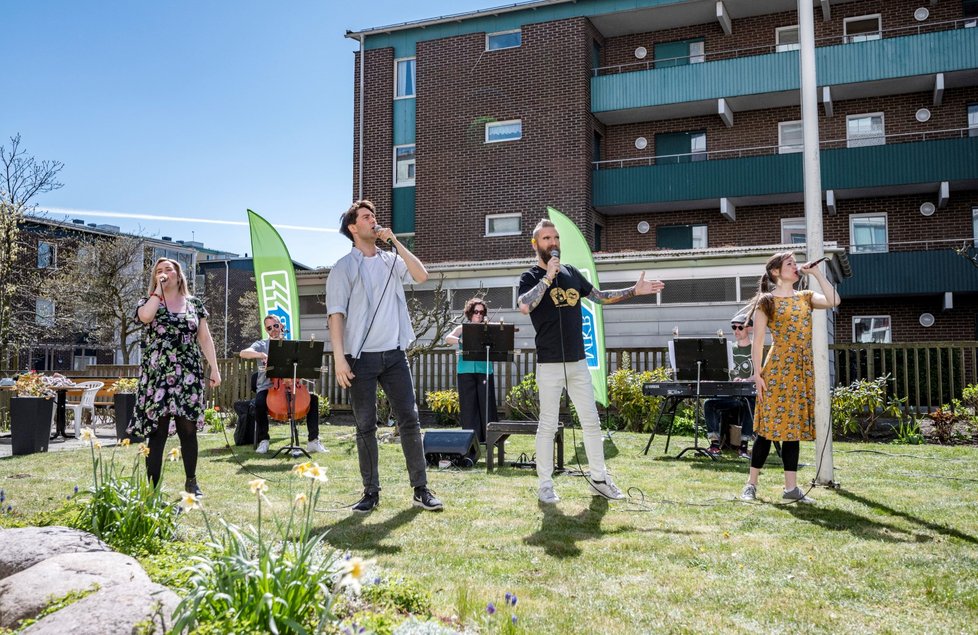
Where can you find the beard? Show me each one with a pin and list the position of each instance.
(543, 255)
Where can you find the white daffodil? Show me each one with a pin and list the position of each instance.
(174, 454)
(352, 572)
(258, 486)
(300, 499)
(144, 449)
(315, 472)
(87, 435)
(300, 469)
(189, 501)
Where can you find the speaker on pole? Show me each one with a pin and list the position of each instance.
(460, 447)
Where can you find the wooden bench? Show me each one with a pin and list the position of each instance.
(498, 431)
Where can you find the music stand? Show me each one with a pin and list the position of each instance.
(488, 342)
(293, 359)
(700, 359)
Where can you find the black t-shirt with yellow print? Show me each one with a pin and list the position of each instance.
(562, 301)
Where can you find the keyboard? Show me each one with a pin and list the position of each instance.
(707, 389)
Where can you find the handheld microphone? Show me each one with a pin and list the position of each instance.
(809, 265)
(555, 253)
(378, 228)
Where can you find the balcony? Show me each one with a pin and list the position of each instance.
(907, 163)
(902, 61)
(914, 268)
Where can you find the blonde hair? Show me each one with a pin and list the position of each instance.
(182, 286)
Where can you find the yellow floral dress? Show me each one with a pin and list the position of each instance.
(787, 412)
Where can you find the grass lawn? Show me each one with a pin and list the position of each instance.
(894, 550)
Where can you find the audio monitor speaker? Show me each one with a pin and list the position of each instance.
(458, 446)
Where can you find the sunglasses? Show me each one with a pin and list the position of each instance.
(480, 312)
(738, 327)
(273, 327)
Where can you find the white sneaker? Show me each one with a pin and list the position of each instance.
(607, 488)
(315, 446)
(797, 496)
(548, 495)
(262, 447)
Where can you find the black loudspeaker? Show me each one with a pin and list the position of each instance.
(458, 446)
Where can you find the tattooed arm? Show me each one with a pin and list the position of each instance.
(642, 287)
(529, 300)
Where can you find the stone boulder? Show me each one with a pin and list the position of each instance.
(116, 610)
(25, 547)
(27, 593)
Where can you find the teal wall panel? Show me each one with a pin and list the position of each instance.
(404, 121)
(909, 273)
(402, 214)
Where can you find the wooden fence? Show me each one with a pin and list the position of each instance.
(928, 374)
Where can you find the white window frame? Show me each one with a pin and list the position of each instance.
(489, 36)
(44, 319)
(974, 223)
(853, 248)
(862, 37)
(872, 328)
(414, 83)
(697, 57)
(490, 217)
(699, 155)
(791, 225)
(790, 46)
(972, 125)
(54, 254)
(784, 148)
(703, 239)
(508, 122)
(861, 140)
(410, 181)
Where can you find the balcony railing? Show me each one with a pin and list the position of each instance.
(756, 151)
(712, 56)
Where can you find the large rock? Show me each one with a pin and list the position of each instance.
(23, 548)
(25, 594)
(114, 610)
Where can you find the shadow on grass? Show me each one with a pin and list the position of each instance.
(354, 533)
(559, 533)
(943, 530)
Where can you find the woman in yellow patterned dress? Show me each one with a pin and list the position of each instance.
(785, 409)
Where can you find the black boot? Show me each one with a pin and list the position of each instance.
(191, 487)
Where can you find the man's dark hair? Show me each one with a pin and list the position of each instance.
(349, 217)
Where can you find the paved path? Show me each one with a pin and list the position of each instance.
(104, 433)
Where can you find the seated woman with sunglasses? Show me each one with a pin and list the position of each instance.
(743, 370)
(474, 392)
(259, 351)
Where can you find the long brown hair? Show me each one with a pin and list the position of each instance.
(470, 308)
(763, 299)
(181, 282)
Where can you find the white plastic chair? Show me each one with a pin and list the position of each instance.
(87, 402)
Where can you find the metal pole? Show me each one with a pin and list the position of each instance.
(824, 469)
(363, 72)
(226, 316)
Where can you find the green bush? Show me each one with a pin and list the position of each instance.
(384, 413)
(402, 594)
(214, 419)
(524, 399)
(636, 410)
(444, 403)
(325, 408)
(125, 510)
(857, 407)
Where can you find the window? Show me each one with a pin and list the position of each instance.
(790, 137)
(680, 53)
(865, 130)
(44, 312)
(598, 236)
(407, 240)
(403, 166)
(681, 237)
(867, 233)
(404, 77)
(680, 147)
(874, 329)
(974, 223)
(503, 224)
(47, 255)
(792, 231)
(786, 39)
(863, 28)
(495, 298)
(973, 120)
(700, 291)
(504, 40)
(504, 131)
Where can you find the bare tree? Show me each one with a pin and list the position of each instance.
(433, 319)
(22, 178)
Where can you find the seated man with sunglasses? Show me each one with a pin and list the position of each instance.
(743, 369)
(259, 351)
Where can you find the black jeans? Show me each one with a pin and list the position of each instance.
(472, 400)
(712, 409)
(261, 416)
(390, 369)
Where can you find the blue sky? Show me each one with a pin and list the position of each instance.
(191, 109)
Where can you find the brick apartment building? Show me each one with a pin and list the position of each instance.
(670, 131)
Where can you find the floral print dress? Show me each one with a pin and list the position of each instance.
(171, 375)
(787, 412)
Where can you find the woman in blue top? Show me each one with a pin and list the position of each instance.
(476, 395)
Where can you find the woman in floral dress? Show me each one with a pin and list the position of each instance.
(171, 377)
(785, 384)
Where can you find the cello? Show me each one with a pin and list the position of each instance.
(279, 395)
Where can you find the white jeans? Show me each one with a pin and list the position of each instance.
(550, 382)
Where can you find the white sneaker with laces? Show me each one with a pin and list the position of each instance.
(262, 447)
(797, 496)
(548, 495)
(607, 488)
(315, 446)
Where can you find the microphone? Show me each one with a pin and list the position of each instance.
(555, 253)
(809, 265)
(378, 228)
